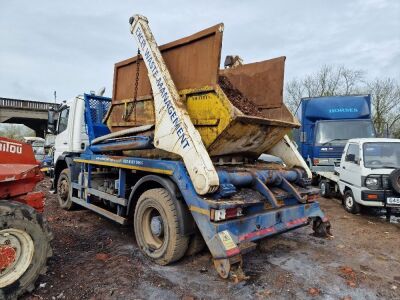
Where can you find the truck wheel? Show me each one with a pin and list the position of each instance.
(325, 188)
(350, 205)
(63, 186)
(394, 178)
(196, 244)
(24, 248)
(157, 227)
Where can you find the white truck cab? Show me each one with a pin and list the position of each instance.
(369, 173)
(71, 136)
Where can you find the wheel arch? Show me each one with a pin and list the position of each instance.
(63, 161)
(147, 182)
(346, 188)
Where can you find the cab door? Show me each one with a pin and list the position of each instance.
(350, 169)
(61, 143)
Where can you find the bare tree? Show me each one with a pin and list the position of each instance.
(327, 81)
(385, 95)
(294, 92)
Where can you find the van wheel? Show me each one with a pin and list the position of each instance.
(157, 227)
(63, 187)
(325, 188)
(350, 205)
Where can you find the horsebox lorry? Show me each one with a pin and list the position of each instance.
(327, 123)
(175, 152)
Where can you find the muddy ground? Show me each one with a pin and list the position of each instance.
(97, 259)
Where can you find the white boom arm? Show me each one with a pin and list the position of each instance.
(174, 131)
(289, 154)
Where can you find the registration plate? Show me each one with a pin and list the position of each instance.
(392, 200)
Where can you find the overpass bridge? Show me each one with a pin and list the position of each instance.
(33, 114)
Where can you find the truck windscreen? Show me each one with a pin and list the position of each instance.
(381, 155)
(338, 132)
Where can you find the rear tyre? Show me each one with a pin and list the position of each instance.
(24, 248)
(350, 205)
(63, 188)
(157, 227)
(325, 188)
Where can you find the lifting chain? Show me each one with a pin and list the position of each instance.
(127, 114)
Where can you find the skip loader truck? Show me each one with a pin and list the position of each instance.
(175, 152)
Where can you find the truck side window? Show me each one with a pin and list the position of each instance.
(353, 154)
(63, 120)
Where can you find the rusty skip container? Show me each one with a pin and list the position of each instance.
(237, 111)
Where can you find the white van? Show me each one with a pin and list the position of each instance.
(369, 173)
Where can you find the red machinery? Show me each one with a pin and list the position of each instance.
(19, 173)
(24, 236)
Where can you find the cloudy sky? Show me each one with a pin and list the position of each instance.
(71, 46)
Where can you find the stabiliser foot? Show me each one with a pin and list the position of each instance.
(322, 228)
(231, 268)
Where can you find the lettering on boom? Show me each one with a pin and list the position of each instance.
(10, 147)
(162, 89)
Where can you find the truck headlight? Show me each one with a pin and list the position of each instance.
(373, 182)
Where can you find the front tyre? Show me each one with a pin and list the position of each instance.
(63, 188)
(24, 248)
(350, 205)
(157, 227)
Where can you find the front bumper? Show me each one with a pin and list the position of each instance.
(378, 198)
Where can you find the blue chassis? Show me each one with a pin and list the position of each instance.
(251, 227)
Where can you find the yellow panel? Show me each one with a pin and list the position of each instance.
(209, 113)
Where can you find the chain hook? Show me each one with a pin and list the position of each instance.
(133, 105)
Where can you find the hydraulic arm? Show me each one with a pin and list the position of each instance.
(174, 131)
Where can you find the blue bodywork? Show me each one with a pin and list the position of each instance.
(326, 125)
(279, 199)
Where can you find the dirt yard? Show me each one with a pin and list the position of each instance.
(97, 259)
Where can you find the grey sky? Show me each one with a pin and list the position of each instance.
(71, 46)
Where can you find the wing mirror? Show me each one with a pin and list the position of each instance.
(51, 121)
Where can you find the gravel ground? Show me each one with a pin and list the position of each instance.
(97, 259)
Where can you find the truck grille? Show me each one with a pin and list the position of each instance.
(386, 182)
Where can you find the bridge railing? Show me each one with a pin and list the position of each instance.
(26, 104)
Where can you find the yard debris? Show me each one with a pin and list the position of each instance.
(314, 292)
(42, 285)
(351, 283)
(264, 293)
(350, 276)
(238, 99)
(347, 270)
(102, 256)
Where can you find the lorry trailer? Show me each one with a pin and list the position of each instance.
(175, 152)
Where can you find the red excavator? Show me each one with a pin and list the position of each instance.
(24, 235)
